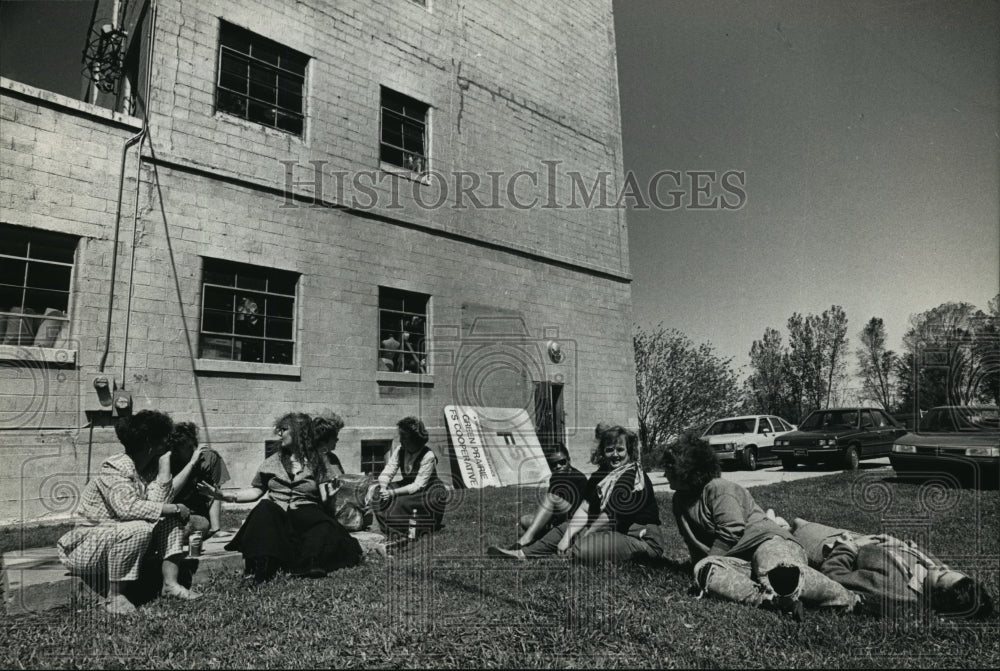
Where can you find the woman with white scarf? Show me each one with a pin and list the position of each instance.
(619, 520)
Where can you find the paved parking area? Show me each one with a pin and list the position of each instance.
(770, 472)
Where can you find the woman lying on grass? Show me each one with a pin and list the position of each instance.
(738, 552)
(619, 520)
(291, 529)
(893, 577)
(123, 511)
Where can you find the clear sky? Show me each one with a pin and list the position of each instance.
(868, 134)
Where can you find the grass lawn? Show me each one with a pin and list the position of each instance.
(442, 604)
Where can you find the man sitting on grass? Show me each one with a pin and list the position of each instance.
(564, 495)
(890, 575)
(739, 552)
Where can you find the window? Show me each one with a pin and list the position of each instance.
(373, 454)
(36, 272)
(247, 313)
(402, 329)
(764, 425)
(404, 131)
(260, 80)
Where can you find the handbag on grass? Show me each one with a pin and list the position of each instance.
(349, 504)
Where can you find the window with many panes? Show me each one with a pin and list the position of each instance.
(36, 274)
(402, 331)
(247, 313)
(373, 454)
(260, 80)
(403, 137)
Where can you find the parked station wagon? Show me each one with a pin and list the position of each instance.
(844, 435)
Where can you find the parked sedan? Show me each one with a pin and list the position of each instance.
(745, 440)
(963, 441)
(846, 435)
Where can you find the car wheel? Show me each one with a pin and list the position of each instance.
(750, 458)
(788, 463)
(851, 460)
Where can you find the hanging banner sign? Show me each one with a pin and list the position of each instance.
(495, 447)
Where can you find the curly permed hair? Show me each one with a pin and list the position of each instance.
(143, 429)
(414, 428)
(326, 427)
(693, 462)
(304, 444)
(608, 434)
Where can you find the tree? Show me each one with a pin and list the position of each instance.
(876, 363)
(816, 356)
(832, 341)
(680, 385)
(951, 352)
(768, 389)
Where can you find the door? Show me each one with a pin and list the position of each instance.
(869, 437)
(765, 438)
(550, 418)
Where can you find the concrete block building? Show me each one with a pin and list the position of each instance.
(380, 207)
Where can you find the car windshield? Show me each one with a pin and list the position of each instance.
(830, 419)
(731, 426)
(952, 419)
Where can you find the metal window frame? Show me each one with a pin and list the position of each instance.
(249, 58)
(73, 243)
(423, 156)
(397, 332)
(267, 274)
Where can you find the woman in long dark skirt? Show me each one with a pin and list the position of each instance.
(291, 529)
(419, 493)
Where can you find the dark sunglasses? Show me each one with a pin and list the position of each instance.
(558, 464)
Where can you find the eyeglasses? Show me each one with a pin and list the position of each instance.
(558, 464)
(281, 430)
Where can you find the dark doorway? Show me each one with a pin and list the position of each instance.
(550, 418)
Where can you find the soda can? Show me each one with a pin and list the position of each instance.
(194, 544)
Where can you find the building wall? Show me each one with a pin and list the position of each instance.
(505, 95)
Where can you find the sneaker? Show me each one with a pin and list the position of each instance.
(494, 551)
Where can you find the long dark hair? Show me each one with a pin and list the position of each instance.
(304, 446)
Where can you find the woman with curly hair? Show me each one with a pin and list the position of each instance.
(419, 492)
(619, 519)
(291, 529)
(738, 552)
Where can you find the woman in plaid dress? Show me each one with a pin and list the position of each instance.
(122, 509)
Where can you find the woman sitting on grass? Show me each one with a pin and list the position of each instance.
(119, 510)
(191, 463)
(291, 529)
(419, 493)
(891, 576)
(619, 520)
(739, 553)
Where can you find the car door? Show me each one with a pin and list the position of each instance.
(765, 438)
(870, 438)
(888, 431)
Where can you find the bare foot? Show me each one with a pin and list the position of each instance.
(118, 604)
(179, 592)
